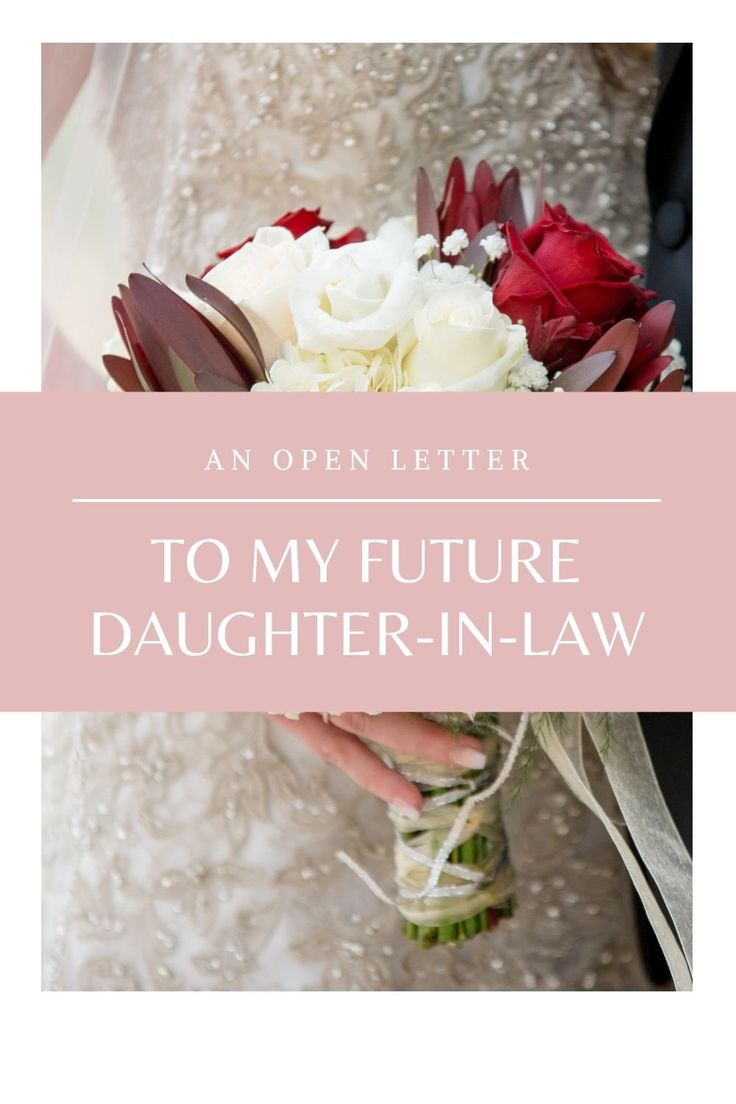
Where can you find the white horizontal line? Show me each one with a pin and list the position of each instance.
(343, 501)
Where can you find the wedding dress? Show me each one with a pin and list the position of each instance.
(198, 851)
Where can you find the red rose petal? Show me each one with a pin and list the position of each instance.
(603, 301)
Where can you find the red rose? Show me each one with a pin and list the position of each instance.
(301, 222)
(567, 284)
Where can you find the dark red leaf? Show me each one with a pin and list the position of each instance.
(672, 382)
(539, 194)
(645, 374)
(483, 179)
(582, 376)
(656, 330)
(468, 215)
(121, 370)
(157, 354)
(510, 203)
(486, 191)
(206, 381)
(183, 329)
(474, 255)
(452, 197)
(620, 339)
(143, 371)
(232, 313)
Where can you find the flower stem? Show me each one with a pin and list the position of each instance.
(476, 852)
(447, 933)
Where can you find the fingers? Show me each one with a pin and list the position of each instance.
(346, 751)
(414, 736)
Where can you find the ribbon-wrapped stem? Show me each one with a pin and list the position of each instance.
(474, 888)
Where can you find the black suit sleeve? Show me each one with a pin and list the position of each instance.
(670, 185)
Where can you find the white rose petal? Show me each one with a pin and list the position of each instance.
(357, 297)
(461, 341)
(258, 278)
(401, 233)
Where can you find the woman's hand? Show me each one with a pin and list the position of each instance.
(339, 740)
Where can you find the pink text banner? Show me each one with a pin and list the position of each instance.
(337, 552)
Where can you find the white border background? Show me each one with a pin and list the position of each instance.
(363, 1047)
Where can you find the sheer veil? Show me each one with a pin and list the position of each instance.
(83, 239)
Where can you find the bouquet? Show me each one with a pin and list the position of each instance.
(462, 295)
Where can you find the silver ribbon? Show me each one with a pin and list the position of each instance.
(631, 775)
(431, 903)
(629, 770)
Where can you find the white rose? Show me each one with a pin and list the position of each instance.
(462, 342)
(401, 233)
(258, 278)
(357, 297)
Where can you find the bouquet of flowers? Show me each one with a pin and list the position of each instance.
(462, 295)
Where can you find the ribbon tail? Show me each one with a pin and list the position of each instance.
(555, 749)
(630, 772)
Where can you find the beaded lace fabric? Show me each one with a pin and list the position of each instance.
(197, 851)
(214, 140)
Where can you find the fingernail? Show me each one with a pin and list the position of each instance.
(403, 810)
(468, 757)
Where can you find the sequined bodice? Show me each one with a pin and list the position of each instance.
(198, 851)
(213, 140)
